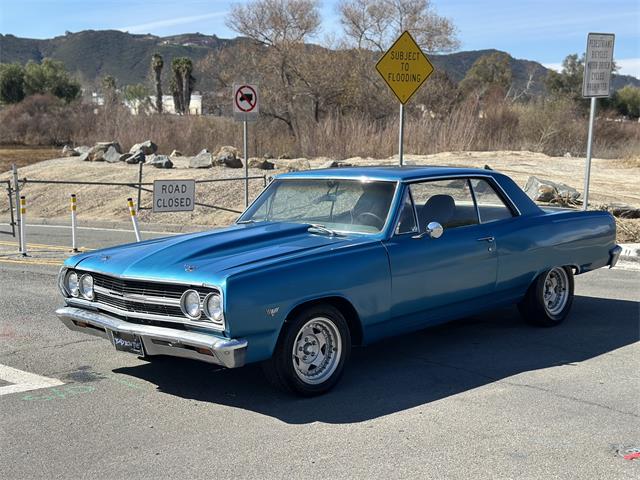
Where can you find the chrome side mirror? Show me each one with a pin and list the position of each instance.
(432, 230)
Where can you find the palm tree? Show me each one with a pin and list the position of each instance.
(182, 83)
(156, 65)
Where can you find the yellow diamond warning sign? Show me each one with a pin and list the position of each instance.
(404, 67)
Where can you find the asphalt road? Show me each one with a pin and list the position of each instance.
(486, 397)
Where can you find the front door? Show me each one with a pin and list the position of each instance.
(435, 279)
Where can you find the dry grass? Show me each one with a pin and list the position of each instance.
(23, 156)
(553, 128)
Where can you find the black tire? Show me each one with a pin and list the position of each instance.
(285, 371)
(537, 310)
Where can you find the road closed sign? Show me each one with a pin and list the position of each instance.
(404, 67)
(245, 101)
(174, 195)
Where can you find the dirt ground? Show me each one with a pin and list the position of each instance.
(611, 181)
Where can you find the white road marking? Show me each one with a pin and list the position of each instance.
(24, 381)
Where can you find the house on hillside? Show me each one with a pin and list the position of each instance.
(137, 107)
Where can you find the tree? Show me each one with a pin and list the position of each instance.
(375, 24)
(156, 66)
(182, 84)
(11, 83)
(627, 101)
(109, 90)
(568, 82)
(281, 28)
(489, 72)
(137, 97)
(51, 77)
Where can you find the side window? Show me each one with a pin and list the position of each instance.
(448, 202)
(490, 205)
(407, 223)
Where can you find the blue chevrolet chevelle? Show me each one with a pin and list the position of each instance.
(327, 259)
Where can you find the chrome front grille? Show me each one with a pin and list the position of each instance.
(136, 299)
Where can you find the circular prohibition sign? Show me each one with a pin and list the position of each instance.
(246, 98)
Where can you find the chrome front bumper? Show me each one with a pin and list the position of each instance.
(228, 353)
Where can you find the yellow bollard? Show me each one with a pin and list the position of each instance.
(74, 246)
(134, 220)
(23, 213)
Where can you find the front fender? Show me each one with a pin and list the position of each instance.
(258, 301)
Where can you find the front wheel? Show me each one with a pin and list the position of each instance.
(549, 299)
(311, 352)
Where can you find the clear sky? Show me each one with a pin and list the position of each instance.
(541, 30)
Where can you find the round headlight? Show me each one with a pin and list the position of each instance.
(190, 304)
(72, 284)
(213, 307)
(86, 286)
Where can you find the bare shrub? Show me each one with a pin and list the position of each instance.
(554, 128)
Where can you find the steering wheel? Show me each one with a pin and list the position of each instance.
(365, 219)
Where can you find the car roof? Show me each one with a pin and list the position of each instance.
(385, 173)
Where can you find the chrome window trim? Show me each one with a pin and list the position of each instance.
(504, 195)
(399, 215)
(78, 302)
(475, 200)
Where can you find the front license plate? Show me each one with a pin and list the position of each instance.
(127, 342)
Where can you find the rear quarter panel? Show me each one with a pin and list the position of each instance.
(529, 245)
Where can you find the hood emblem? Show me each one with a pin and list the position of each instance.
(189, 268)
(104, 258)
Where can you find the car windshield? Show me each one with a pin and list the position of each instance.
(337, 205)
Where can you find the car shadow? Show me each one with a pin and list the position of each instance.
(411, 370)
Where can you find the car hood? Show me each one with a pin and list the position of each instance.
(208, 257)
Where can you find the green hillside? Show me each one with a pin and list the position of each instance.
(92, 54)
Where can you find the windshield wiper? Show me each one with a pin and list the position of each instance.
(321, 228)
(246, 221)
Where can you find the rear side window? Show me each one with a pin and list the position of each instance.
(490, 206)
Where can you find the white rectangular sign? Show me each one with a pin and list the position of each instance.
(174, 195)
(598, 64)
(246, 102)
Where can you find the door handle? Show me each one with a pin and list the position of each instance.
(486, 239)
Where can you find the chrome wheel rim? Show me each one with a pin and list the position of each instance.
(556, 291)
(317, 351)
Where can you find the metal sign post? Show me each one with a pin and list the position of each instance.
(401, 136)
(596, 84)
(245, 109)
(16, 190)
(404, 67)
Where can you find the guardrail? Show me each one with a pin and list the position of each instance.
(140, 186)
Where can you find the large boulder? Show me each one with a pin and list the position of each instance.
(261, 164)
(82, 149)
(204, 159)
(68, 151)
(134, 158)
(111, 156)
(548, 191)
(228, 157)
(294, 165)
(97, 152)
(159, 161)
(148, 148)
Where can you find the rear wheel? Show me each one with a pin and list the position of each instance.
(311, 352)
(549, 299)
